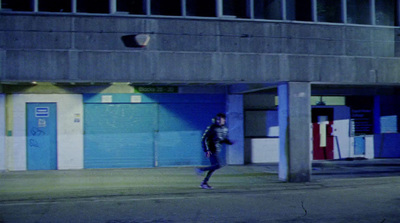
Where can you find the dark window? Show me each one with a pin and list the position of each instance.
(55, 6)
(17, 5)
(132, 6)
(300, 10)
(358, 12)
(93, 6)
(329, 10)
(238, 8)
(268, 9)
(206, 8)
(385, 12)
(163, 7)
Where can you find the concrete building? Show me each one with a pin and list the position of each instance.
(134, 83)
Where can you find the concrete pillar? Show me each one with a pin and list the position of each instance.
(294, 131)
(2, 132)
(235, 153)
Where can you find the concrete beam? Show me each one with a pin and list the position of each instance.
(294, 130)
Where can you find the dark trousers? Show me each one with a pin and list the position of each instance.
(214, 166)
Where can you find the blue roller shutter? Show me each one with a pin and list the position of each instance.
(119, 135)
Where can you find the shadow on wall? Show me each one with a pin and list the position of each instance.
(386, 145)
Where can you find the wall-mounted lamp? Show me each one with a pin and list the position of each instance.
(139, 40)
(142, 39)
(321, 102)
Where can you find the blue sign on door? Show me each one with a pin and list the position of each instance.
(41, 136)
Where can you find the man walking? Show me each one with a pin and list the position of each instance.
(215, 135)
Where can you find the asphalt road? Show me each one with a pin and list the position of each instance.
(241, 194)
(369, 200)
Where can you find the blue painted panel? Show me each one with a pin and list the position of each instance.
(41, 136)
(119, 135)
(180, 130)
(387, 145)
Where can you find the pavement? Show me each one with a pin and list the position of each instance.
(39, 187)
(34, 185)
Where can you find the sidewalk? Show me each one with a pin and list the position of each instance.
(69, 184)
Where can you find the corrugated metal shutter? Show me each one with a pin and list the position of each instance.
(162, 130)
(119, 135)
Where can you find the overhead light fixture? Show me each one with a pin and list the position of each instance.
(139, 40)
(321, 103)
(142, 39)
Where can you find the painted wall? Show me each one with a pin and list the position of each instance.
(69, 129)
(387, 145)
(263, 150)
(2, 132)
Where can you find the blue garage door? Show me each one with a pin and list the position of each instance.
(181, 127)
(119, 135)
(146, 135)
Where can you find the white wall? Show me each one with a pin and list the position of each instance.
(369, 147)
(2, 132)
(69, 130)
(264, 150)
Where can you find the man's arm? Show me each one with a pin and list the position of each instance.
(204, 139)
(227, 141)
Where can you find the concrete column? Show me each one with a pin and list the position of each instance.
(235, 152)
(294, 131)
(2, 132)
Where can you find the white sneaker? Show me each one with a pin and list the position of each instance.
(205, 186)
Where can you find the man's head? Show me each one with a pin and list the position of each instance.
(220, 119)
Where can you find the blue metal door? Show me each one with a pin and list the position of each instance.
(359, 145)
(41, 136)
(119, 135)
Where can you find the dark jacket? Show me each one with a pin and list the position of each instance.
(213, 137)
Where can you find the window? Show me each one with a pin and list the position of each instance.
(358, 12)
(329, 11)
(163, 7)
(93, 6)
(132, 6)
(300, 10)
(206, 8)
(385, 12)
(238, 8)
(268, 9)
(17, 5)
(55, 6)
